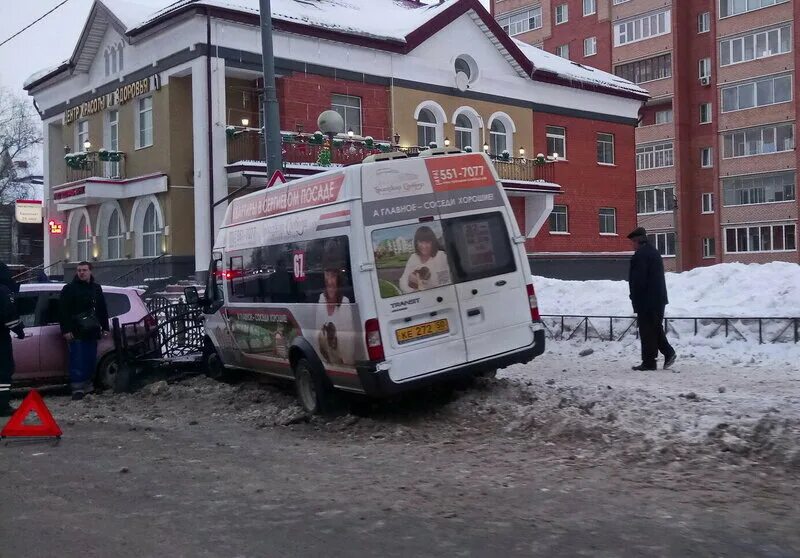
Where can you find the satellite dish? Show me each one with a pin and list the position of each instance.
(330, 122)
(462, 81)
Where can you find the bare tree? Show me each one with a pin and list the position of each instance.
(20, 134)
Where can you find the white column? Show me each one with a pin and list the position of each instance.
(51, 155)
(219, 138)
(46, 193)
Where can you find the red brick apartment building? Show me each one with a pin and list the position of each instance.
(715, 149)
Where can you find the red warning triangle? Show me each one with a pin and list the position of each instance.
(16, 426)
(276, 176)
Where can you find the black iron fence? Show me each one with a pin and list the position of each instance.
(615, 328)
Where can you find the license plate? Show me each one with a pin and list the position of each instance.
(421, 331)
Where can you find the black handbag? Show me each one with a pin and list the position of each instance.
(87, 323)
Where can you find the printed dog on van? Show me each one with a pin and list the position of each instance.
(329, 344)
(423, 277)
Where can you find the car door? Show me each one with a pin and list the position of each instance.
(26, 351)
(54, 356)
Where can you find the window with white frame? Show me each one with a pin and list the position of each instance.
(650, 69)
(562, 14)
(754, 46)
(349, 108)
(589, 7)
(608, 220)
(655, 199)
(590, 46)
(664, 116)
(605, 149)
(705, 113)
(707, 157)
(761, 238)
(111, 141)
(151, 233)
(642, 27)
(463, 131)
(664, 242)
(757, 93)
(521, 22)
(82, 135)
(426, 128)
(83, 240)
(708, 202)
(704, 22)
(620, 1)
(758, 188)
(709, 247)
(704, 68)
(115, 237)
(729, 8)
(559, 219)
(761, 140)
(144, 121)
(557, 141)
(563, 51)
(497, 138)
(655, 156)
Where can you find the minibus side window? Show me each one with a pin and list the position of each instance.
(213, 290)
(478, 246)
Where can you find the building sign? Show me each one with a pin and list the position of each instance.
(28, 211)
(63, 194)
(119, 96)
(55, 227)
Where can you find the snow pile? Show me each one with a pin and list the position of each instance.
(724, 290)
(33, 78)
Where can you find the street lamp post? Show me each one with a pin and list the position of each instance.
(272, 126)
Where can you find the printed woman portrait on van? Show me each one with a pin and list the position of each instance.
(334, 314)
(410, 259)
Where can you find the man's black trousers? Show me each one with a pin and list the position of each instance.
(6, 368)
(651, 332)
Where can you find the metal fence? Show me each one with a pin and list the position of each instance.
(616, 328)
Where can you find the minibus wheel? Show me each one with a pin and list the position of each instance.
(314, 391)
(212, 364)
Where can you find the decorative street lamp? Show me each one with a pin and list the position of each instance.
(245, 122)
(447, 142)
(349, 132)
(522, 152)
(486, 147)
(397, 138)
(87, 145)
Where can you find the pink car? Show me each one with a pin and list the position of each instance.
(42, 356)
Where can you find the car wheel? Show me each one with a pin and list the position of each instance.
(315, 392)
(213, 365)
(107, 370)
(488, 374)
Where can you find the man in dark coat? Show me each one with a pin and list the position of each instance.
(80, 301)
(648, 292)
(9, 321)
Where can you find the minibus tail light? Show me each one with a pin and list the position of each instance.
(372, 332)
(533, 303)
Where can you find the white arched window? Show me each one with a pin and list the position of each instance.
(115, 237)
(113, 54)
(501, 134)
(468, 127)
(83, 239)
(426, 128)
(121, 65)
(151, 233)
(463, 131)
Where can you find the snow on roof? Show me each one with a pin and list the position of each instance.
(131, 12)
(544, 60)
(33, 78)
(381, 19)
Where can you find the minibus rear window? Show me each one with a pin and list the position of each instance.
(478, 246)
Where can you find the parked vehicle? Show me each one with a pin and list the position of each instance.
(374, 279)
(42, 356)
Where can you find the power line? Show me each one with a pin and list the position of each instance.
(34, 22)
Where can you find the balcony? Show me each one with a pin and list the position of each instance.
(305, 150)
(95, 164)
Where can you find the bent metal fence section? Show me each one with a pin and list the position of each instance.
(616, 328)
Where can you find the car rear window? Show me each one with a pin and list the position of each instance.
(117, 304)
(478, 246)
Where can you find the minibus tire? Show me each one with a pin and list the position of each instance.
(316, 394)
(490, 374)
(213, 366)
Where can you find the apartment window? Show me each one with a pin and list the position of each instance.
(522, 22)
(557, 141)
(562, 14)
(705, 113)
(763, 238)
(707, 157)
(704, 68)
(642, 71)
(144, 123)
(758, 93)
(729, 8)
(655, 156)
(151, 233)
(590, 46)
(349, 108)
(115, 237)
(608, 220)
(559, 220)
(664, 242)
(704, 22)
(83, 240)
(658, 199)
(82, 135)
(426, 128)
(589, 7)
(709, 248)
(708, 203)
(759, 188)
(498, 137)
(756, 45)
(758, 141)
(605, 149)
(643, 27)
(563, 51)
(620, 1)
(664, 116)
(463, 131)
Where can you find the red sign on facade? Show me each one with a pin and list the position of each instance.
(55, 227)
